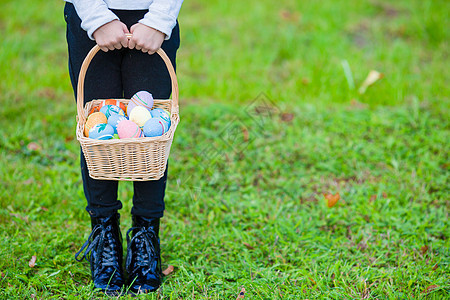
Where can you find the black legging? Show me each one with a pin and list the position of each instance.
(119, 74)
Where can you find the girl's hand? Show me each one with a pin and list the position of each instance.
(111, 36)
(145, 38)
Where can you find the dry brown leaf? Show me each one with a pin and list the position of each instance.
(32, 262)
(435, 267)
(169, 270)
(248, 246)
(245, 134)
(358, 105)
(424, 249)
(430, 288)
(241, 294)
(287, 117)
(332, 199)
(384, 195)
(373, 198)
(373, 77)
(287, 15)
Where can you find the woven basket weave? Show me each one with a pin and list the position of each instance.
(132, 159)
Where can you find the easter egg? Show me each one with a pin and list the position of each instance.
(164, 115)
(101, 132)
(128, 129)
(115, 136)
(153, 127)
(160, 112)
(94, 119)
(142, 98)
(109, 110)
(94, 109)
(114, 120)
(113, 102)
(131, 106)
(140, 115)
(165, 123)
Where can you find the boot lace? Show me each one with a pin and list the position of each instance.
(102, 241)
(146, 252)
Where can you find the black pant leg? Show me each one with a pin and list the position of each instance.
(103, 80)
(141, 71)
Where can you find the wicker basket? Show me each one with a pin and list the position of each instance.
(132, 159)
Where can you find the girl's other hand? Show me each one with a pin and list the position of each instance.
(145, 38)
(111, 36)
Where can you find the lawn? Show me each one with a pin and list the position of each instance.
(271, 120)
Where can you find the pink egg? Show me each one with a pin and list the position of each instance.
(128, 129)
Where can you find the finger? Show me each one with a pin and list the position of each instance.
(154, 49)
(110, 47)
(125, 28)
(138, 47)
(144, 50)
(133, 27)
(151, 52)
(125, 41)
(104, 49)
(118, 46)
(131, 44)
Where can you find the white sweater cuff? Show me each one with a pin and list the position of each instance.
(94, 17)
(160, 21)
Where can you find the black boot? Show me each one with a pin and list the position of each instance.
(104, 252)
(143, 262)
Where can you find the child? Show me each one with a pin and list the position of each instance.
(120, 70)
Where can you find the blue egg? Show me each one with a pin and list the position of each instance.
(159, 112)
(110, 110)
(101, 132)
(114, 119)
(164, 116)
(153, 127)
(165, 123)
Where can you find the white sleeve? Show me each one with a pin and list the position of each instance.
(162, 15)
(93, 14)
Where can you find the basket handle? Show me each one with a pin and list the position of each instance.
(87, 61)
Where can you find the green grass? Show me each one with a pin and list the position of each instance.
(244, 203)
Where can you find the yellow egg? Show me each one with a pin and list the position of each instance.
(94, 119)
(140, 115)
